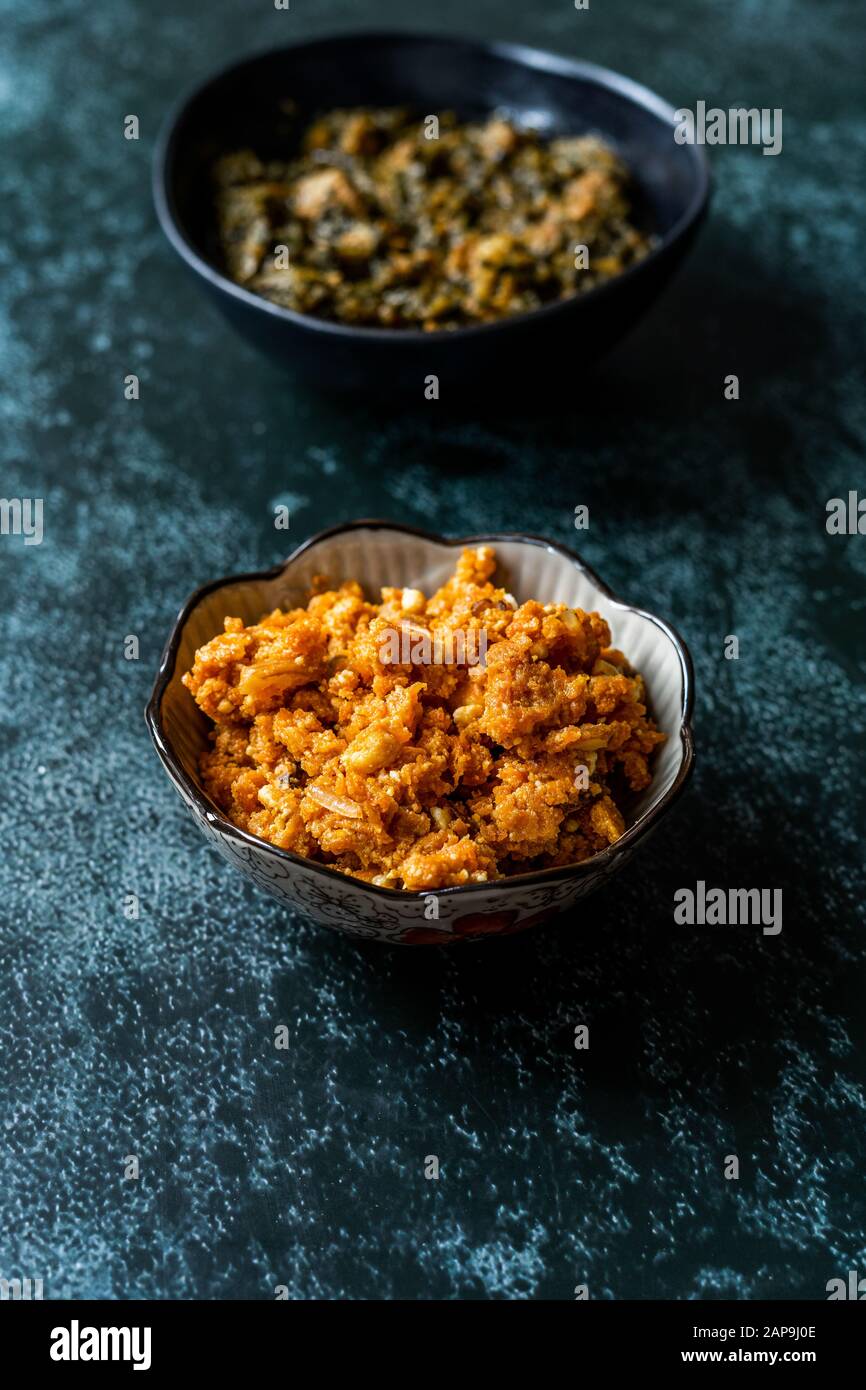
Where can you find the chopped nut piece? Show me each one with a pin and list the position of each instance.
(413, 601)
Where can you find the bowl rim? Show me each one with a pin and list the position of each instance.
(190, 788)
(522, 55)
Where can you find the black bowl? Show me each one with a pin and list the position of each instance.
(240, 107)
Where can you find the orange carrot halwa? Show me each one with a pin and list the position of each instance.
(421, 743)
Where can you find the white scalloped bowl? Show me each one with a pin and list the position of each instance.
(380, 553)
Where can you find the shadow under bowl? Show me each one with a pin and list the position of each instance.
(240, 107)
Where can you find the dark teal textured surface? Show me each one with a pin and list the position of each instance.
(154, 1037)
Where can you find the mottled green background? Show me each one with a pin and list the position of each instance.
(154, 1036)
